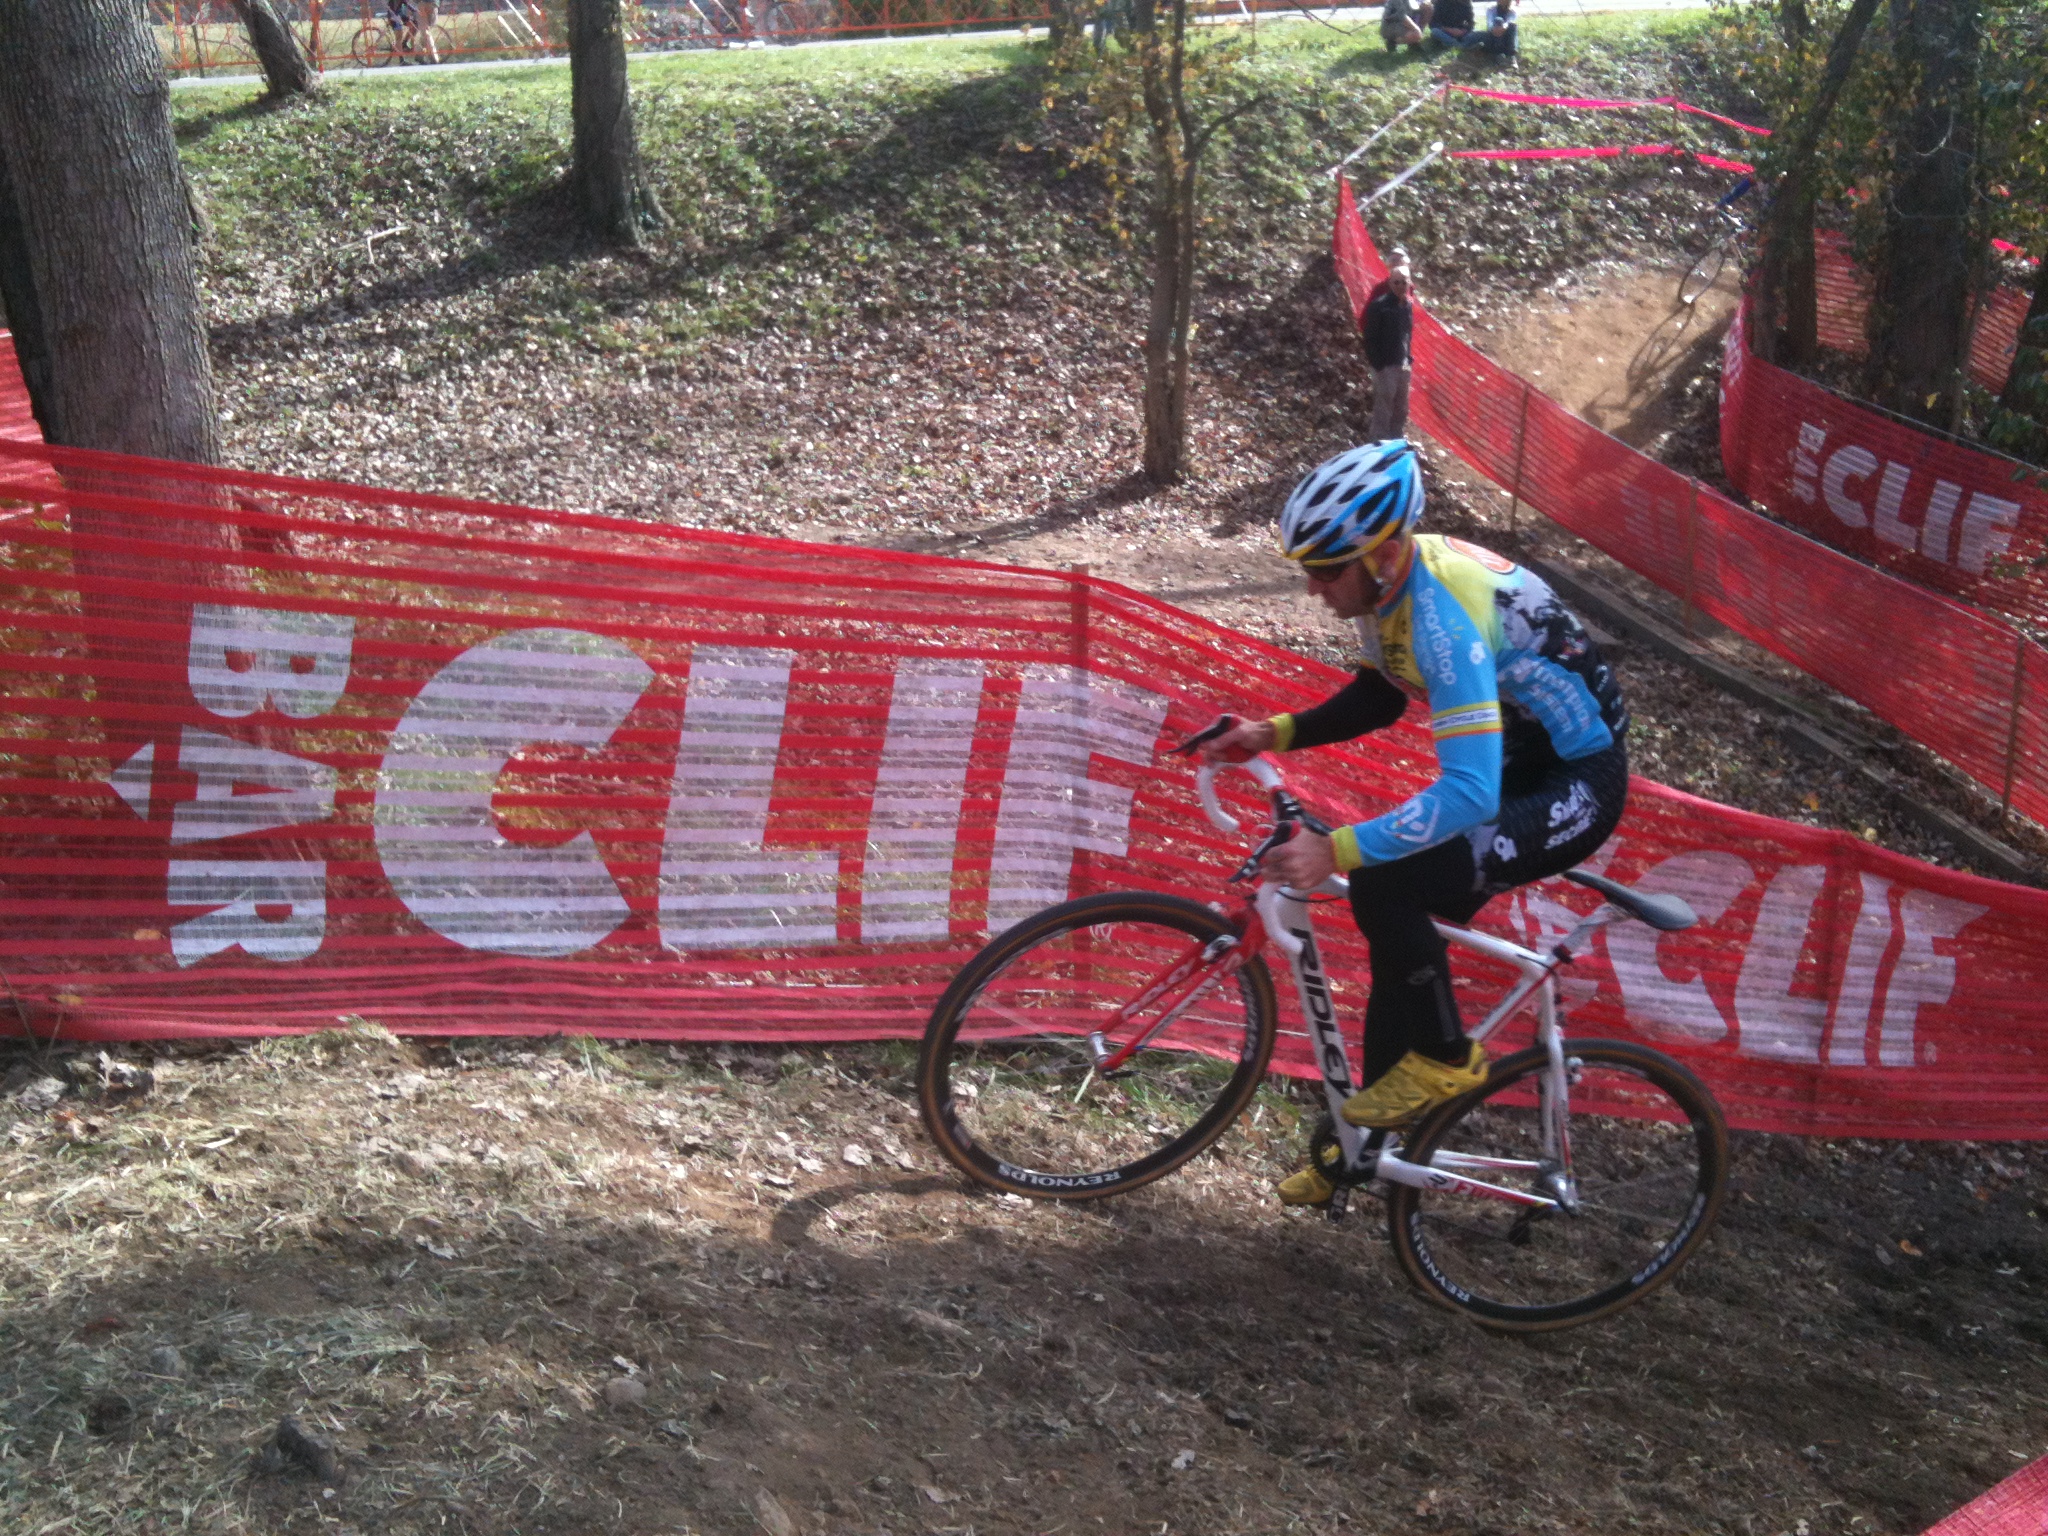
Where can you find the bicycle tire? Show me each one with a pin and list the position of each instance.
(1704, 272)
(373, 47)
(786, 22)
(1064, 970)
(1516, 1270)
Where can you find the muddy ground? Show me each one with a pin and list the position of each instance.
(549, 1287)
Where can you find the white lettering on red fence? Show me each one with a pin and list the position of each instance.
(273, 909)
(1891, 972)
(914, 829)
(246, 659)
(1050, 805)
(721, 887)
(437, 835)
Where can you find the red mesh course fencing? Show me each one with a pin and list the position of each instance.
(1845, 290)
(278, 753)
(2016, 1507)
(1950, 517)
(1944, 674)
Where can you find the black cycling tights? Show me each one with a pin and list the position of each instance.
(1551, 820)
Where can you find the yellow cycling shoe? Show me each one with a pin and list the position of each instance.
(1311, 1186)
(1414, 1085)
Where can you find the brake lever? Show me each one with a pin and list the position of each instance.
(1220, 726)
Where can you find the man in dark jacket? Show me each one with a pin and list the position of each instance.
(1389, 321)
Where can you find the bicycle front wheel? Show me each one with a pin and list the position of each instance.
(1704, 272)
(1648, 1169)
(1007, 1080)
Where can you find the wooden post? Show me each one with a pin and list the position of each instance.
(1521, 447)
(2012, 738)
(313, 36)
(1692, 543)
(1078, 644)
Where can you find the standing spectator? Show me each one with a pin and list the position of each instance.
(1451, 25)
(1404, 21)
(1389, 322)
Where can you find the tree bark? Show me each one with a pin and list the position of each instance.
(1788, 296)
(1166, 340)
(100, 212)
(613, 201)
(1920, 318)
(1794, 22)
(286, 69)
(85, 126)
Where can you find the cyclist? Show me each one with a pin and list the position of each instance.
(1529, 727)
(403, 18)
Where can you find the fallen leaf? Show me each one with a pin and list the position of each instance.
(935, 1494)
(857, 1155)
(1183, 1461)
(1906, 1247)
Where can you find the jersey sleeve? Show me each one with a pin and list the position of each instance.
(1369, 702)
(1458, 668)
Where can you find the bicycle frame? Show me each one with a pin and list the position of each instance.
(1282, 915)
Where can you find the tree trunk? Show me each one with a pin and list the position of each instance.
(613, 202)
(100, 211)
(1167, 340)
(1788, 295)
(85, 125)
(1920, 318)
(1794, 23)
(286, 69)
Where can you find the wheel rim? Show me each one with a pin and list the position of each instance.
(1645, 1173)
(1019, 1089)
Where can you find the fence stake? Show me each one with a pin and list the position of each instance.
(2012, 737)
(1692, 539)
(1521, 444)
(313, 38)
(1079, 640)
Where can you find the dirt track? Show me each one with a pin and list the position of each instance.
(439, 1262)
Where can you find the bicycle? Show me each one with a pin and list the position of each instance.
(1104, 1042)
(1724, 229)
(783, 22)
(378, 43)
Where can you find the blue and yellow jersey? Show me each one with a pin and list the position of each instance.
(1510, 677)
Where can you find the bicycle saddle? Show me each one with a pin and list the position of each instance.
(1667, 913)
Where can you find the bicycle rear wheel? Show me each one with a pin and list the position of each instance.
(1007, 1082)
(1649, 1157)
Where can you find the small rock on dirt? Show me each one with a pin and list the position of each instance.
(39, 1095)
(1183, 1460)
(165, 1360)
(291, 1449)
(1435, 1403)
(625, 1392)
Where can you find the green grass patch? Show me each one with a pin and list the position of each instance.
(814, 186)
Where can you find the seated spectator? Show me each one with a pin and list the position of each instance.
(1404, 21)
(1500, 29)
(1451, 25)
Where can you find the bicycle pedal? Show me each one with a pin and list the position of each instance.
(1338, 1203)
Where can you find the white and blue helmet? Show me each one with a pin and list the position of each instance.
(1350, 504)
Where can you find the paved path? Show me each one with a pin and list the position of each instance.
(1339, 15)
